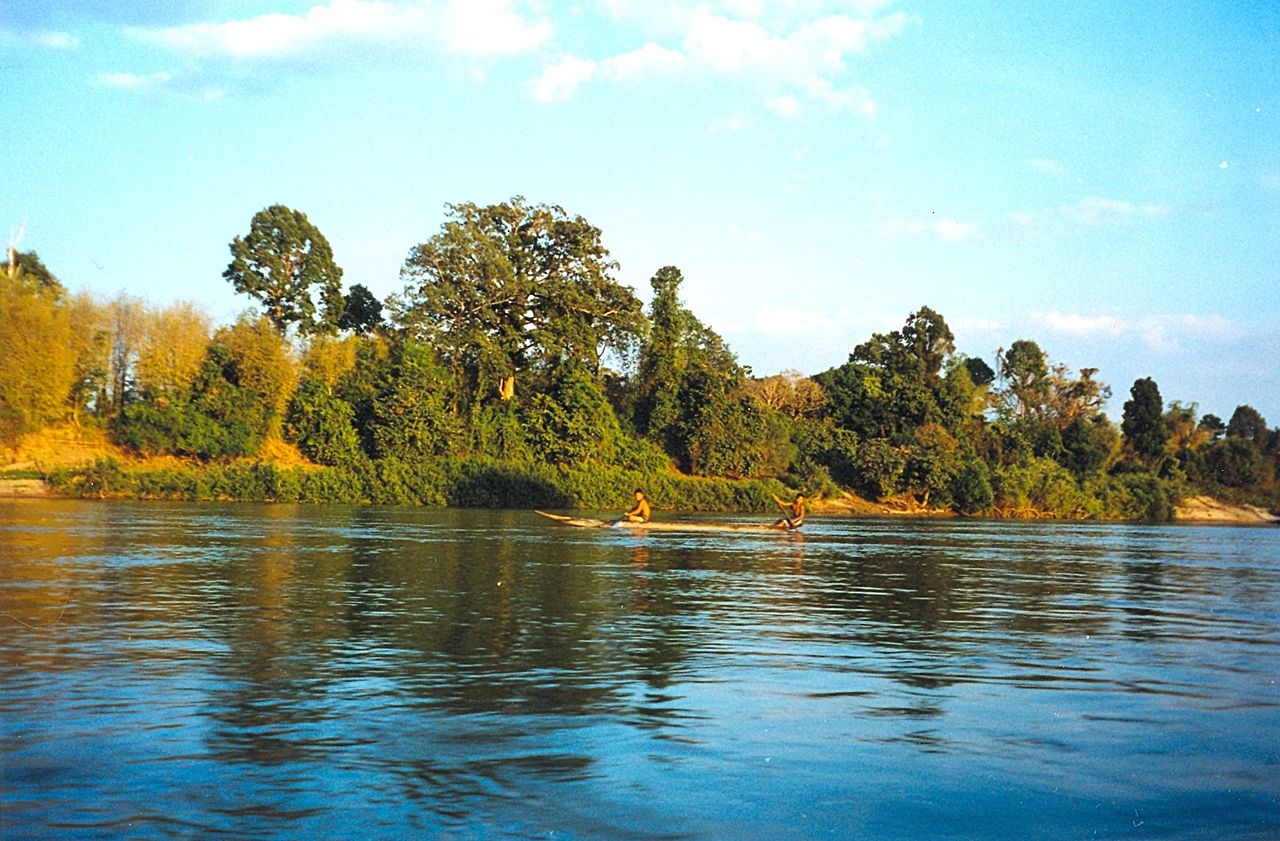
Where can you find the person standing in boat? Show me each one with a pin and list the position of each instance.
(794, 513)
(639, 513)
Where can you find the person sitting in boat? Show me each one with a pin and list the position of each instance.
(794, 509)
(639, 513)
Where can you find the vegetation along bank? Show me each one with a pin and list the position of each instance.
(513, 370)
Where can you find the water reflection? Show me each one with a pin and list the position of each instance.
(283, 671)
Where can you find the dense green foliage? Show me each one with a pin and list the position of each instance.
(287, 264)
(516, 371)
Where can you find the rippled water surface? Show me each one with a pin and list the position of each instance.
(191, 671)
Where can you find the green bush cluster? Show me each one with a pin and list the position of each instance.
(465, 483)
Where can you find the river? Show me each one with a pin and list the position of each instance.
(277, 671)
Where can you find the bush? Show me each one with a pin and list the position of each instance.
(879, 468)
(1141, 496)
(971, 491)
(323, 425)
(1040, 487)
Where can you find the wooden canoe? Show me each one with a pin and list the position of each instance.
(660, 525)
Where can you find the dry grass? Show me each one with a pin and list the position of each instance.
(66, 446)
(59, 446)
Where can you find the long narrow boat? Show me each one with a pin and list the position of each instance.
(661, 525)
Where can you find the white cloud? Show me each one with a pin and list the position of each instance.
(952, 230)
(728, 45)
(785, 106)
(649, 60)
(276, 34)
(493, 27)
(135, 81)
(47, 38)
(1047, 166)
(56, 40)
(1096, 210)
(940, 227)
(1159, 332)
(161, 80)
(559, 81)
(794, 54)
(471, 27)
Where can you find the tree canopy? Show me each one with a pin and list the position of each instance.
(286, 263)
(510, 287)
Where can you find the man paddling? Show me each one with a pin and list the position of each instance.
(639, 513)
(794, 511)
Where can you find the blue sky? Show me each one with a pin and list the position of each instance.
(1101, 177)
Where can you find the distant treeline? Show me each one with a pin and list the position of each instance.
(514, 370)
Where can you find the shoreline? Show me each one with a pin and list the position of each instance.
(1194, 510)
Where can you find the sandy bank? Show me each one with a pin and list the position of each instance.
(1206, 509)
(17, 488)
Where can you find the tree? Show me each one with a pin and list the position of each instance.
(91, 346)
(264, 363)
(1024, 377)
(692, 398)
(979, 371)
(126, 321)
(892, 383)
(509, 287)
(287, 264)
(1143, 424)
(171, 348)
(790, 392)
(220, 416)
(361, 313)
(36, 359)
(1213, 425)
(1236, 462)
(1247, 423)
(26, 268)
(411, 416)
(572, 422)
(323, 425)
(1089, 445)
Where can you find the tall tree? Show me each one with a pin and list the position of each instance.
(691, 396)
(287, 264)
(36, 359)
(265, 365)
(1143, 423)
(509, 287)
(1247, 423)
(172, 348)
(127, 320)
(362, 312)
(1024, 377)
(891, 384)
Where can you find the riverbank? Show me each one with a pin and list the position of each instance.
(67, 448)
(1206, 509)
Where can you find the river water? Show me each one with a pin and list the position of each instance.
(196, 671)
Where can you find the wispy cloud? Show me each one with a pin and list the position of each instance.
(941, 228)
(1164, 333)
(135, 81)
(560, 80)
(1090, 211)
(1047, 166)
(335, 30)
(1096, 210)
(49, 39)
(165, 81)
(794, 57)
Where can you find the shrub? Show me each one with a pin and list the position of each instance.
(971, 491)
